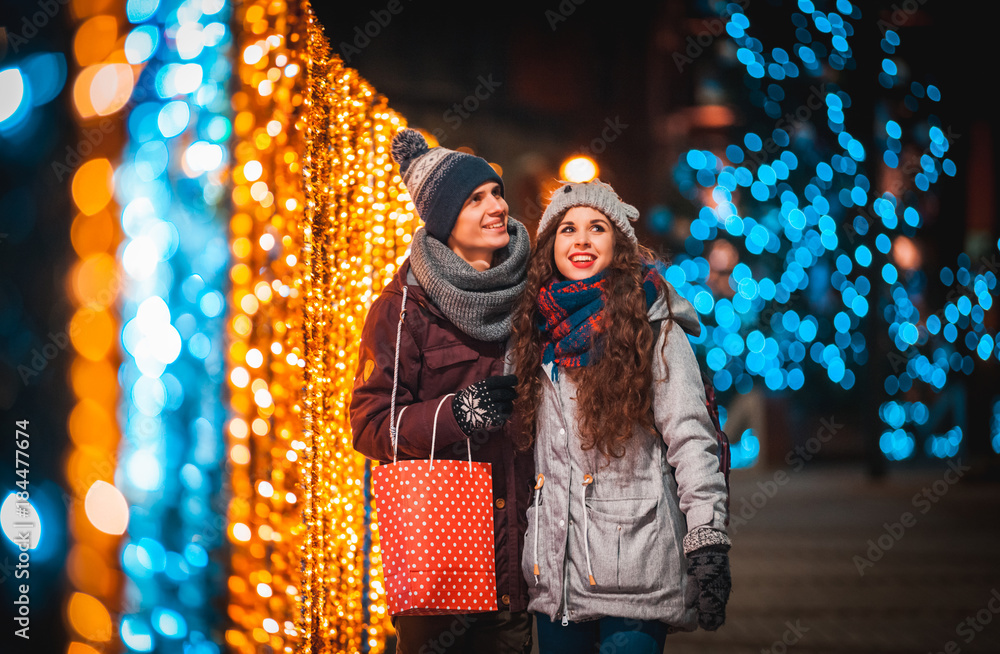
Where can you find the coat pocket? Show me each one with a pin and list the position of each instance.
(442, 356)
(627, 550)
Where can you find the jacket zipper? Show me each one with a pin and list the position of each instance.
(569, 525)
(565, 571)
(538, 522)
(565, 616)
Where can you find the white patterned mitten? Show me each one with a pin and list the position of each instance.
(487, 404)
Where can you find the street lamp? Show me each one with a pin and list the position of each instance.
(578, 169)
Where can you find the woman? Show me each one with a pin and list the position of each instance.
(465, 272)
(626, 535)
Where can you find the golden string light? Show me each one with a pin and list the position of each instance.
(321, 222)
(265, 351)
(360, 222)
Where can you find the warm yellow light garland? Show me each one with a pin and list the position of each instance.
(321, 222)
(360, 225)
(265, 351)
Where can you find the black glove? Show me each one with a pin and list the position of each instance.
(487, 404)
(709, 567)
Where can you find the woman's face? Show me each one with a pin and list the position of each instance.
(481, 227)
(585, 243)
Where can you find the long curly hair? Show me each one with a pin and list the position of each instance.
(607, 412)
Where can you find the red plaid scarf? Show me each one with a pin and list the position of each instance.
(570, 314)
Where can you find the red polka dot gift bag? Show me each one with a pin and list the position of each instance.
(435, 523)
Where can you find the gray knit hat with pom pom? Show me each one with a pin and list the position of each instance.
(438, 180)
(596, 195)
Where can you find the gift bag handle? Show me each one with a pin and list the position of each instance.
(434, 433)
(393, 419)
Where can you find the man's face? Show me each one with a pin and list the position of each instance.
(481, 227)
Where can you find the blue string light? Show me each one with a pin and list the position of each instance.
(172, 181)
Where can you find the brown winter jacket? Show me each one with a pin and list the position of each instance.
(437, 358)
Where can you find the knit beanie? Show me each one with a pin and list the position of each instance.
(596, 195)
(438, 180)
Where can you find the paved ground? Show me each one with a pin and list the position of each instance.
(797, 586)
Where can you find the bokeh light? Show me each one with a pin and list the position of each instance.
(800, 204)
(12, 96)
(578, 169)
(106, 508)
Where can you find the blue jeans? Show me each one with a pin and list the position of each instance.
(604, 636)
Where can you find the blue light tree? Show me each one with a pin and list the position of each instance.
(823, 220)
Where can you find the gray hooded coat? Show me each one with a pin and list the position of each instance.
(613, 547)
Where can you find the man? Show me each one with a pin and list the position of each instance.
(464, 274)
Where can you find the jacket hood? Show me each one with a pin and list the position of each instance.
(670, 304)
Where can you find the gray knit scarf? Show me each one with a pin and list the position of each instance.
(477, 302)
